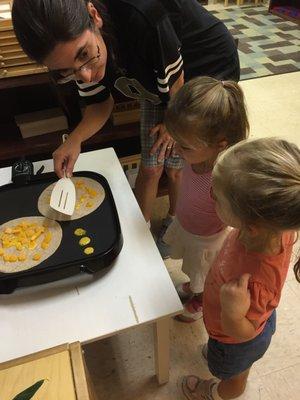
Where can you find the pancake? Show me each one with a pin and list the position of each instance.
(89, 196)
(26, 242)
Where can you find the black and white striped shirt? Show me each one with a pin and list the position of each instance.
(158, 40)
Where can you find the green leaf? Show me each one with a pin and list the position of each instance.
(28, 393)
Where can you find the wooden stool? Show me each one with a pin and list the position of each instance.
(61, 371)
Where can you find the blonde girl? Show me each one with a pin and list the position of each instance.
(204, 117)
(256, 186)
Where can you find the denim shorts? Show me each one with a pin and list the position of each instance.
(151, 115)
(226, 360)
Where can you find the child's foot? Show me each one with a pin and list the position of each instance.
(184, 291)
(193, 388)
(192, 310)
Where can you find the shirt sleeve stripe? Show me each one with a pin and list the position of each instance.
(91, 92)
(166, 80)
(83, 85)
(169, 68)
(163, 89)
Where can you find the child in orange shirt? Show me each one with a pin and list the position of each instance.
(256, 186)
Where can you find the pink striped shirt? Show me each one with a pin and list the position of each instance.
(195, 208)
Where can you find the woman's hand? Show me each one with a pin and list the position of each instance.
(164, 142)
(66, 155)
(235, 298)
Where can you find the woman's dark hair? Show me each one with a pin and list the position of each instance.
(41, 24)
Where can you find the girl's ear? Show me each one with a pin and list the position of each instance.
(222, 144)
(96, 17)
(253, 230)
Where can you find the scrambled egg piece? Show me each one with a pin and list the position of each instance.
(79, 232)
(89, 250)
(84, 241)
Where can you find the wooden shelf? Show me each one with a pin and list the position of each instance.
(13, 146)
(25, 80)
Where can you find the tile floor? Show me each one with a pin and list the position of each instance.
(122, 367)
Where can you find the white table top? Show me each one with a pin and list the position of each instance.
(135, 291)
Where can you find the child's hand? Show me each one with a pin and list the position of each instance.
(235, 298)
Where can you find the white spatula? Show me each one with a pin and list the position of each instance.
(63, 196)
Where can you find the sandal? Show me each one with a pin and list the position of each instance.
(192, 311)
(184, 291)
(202, 389)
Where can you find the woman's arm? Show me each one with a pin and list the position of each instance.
(164, 141)
(94, 117)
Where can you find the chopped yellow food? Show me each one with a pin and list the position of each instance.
(79, 232)
(47, 237)
(32, 245)
(89, 204)
(44, 245)
(19, 247)
(30, 232)
(89, 250)
(25, 235)
(79, 184)
(84, 241)
(13, 258)
(6, 257)
(92, 193)
(22, 257)
(34, 237)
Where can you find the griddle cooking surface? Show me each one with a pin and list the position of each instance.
(102, 225)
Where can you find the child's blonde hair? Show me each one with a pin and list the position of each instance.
(207, 110)
(261, 181)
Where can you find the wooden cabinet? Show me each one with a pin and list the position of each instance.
(62, 370)
(13, 61)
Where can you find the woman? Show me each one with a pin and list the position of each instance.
(145, 49)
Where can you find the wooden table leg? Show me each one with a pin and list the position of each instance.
(162, 349)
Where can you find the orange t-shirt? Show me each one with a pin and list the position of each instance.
(268, 274)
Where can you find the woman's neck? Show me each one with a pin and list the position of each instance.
(265, 242)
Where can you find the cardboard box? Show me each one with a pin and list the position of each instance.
(41, 122)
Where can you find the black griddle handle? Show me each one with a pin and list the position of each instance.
(87, 269)
(22, 172)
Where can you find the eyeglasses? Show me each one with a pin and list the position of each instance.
(84, 67)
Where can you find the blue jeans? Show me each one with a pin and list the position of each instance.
(226, 360)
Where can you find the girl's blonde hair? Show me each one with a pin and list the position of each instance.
(207, 110)
(261, 181)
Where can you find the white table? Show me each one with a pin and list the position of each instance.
(136, 291)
